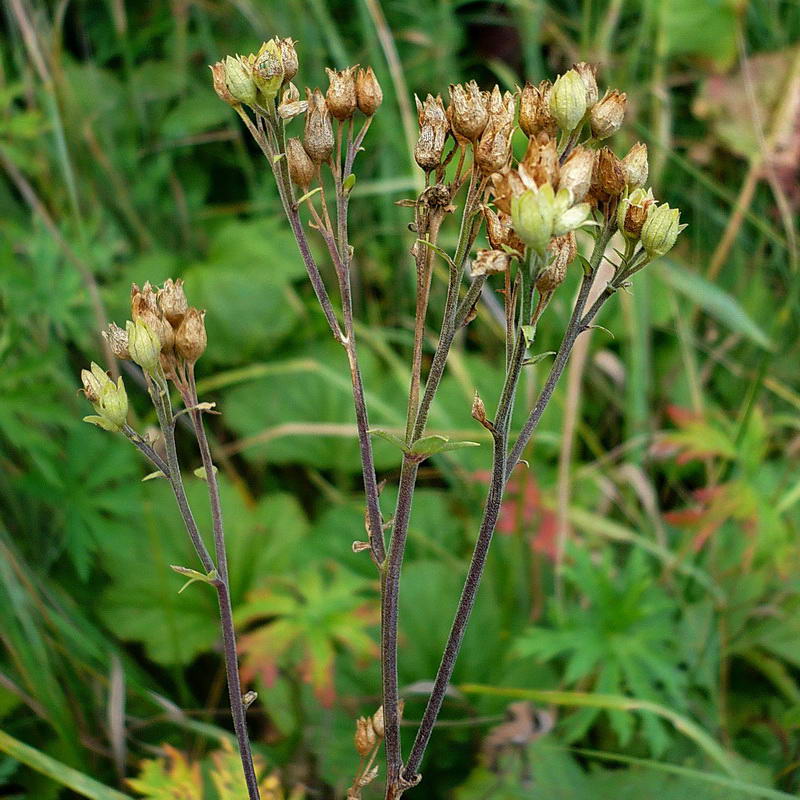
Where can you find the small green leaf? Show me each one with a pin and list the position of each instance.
(349, 183)
(200, 472)
(308, 195)
(392, 438)
(430, 445)
(194, 575)
(538, 357)
(438, 251)
(529, 332)
(153, 475)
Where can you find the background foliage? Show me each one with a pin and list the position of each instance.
(669, 644)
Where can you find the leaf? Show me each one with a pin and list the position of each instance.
(194, 575)
(710, 297)
(706, 30)
(435, 443)
(62, 774)
(170, 778)
(392, 438)
(349, 183)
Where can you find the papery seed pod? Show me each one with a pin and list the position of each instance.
(369, 94)
(533, 214)
(117, 341)
(143, 301)
(291, 105)
(563, 250)
(433, 130)
(220, 84)
(588, 73)
(608, 176)
(268, 70)
(318, 133)
(660, 230)
(568, 100)
(635, 166)
(144, 345)
(606, 115)
(489, 262)
(301, 167)
(239, 80)
(190, 338)
(341, 94)
(172, 301)
(502, 106)
(534, 110)
(289, 58)
(540, 163)
(576, 172)
(365, 737)
(500, 232)
(632, 212)
(493, 150)
(377, 722)
(506, 185)
(467, 111)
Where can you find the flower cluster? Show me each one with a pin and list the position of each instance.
(165, 337)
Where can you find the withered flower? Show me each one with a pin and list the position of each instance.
(291, 105)
(172, 301)
(563, 250)
(289, 58)
(506, 184)
(635, 166)
(468, 110)
(588, 73)
(365, 737)
(117, 340)
(318, 133)
(493, 150)
(606, 116)
(632, 212)
(576, 172)
(369, 94)
(433, 130)
(190, 340)
(534, 110)
(341, 94)
(490, 262)
(301, 167)
(540, 163)
(220, 84)
(608, 178)
(500, 232)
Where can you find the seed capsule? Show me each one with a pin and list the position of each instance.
(318, 134)
(576, 172)
(568, 100)
(533, 214)
(534, 110)
(220, 85)
(588, 73)
(144, 345)
(268, 72)
(377, 722)
(369, 94)
(109, 399)
(489, 262)
(635, 166)
(433, 130)
(341, 94)
(660, 230)
(540, 164)
(607, 115)
(190, 339)
(632, 212)
(239, 80)
(301, 167)
(506, 185)
(493, 150)
(500, 232)
(172, 301)
(365, 737)
(608, 178)
(289, 58)
(563, 250)
(117, 340)
(468, 112)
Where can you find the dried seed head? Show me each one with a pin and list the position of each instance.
(268, 70)
(588, 73)
(540, 164)
(377, 722)
(493, 150)
(433, 130)
(576, 172)
(563, 250)
(632, 212)
(239, 79)
(568, 100)
(365, 737)
(608, 178)
(607, 115)
(635, 166)
(318, 134)
(506, 184)
(369, 94)
(534, 110)
(341, 94)
(172, 301)
(289, 58)
(117, 340)
(144, 345)
(190, 339)
(490, 262)
(220, 84)
(291, 105)
(660, 230)
(467, 111)
(301, 167)
(144, 307)
(500, 232)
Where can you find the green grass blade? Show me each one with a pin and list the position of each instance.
(59, 772)
(615, 703)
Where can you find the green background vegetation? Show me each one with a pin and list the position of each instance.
(678, 436)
